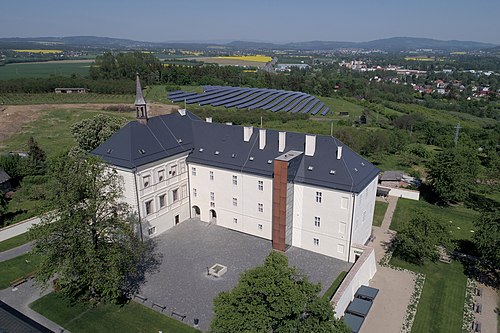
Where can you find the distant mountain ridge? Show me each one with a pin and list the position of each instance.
(393, 44)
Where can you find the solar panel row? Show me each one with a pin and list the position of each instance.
(252, 98)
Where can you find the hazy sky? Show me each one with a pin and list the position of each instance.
(258, 20)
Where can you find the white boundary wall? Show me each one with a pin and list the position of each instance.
(360, 274)
(402, 193)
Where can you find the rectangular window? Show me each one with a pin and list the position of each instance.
(235, 220)
(261, 185)
(317, 221)
(235, 180)
(151, 231)
(260, 207)
(146, 181)
(193, 171)
(195, 192)
(161, 200)
(343, 202)
(212, 204)
(340, 248)
(173, 170)
(211, 173)
(184, 191)
(175, 195)
(342, 226)
(316, 241)
(259, 226)
(149, 207)
(183, 167)
(319, 196)
(161, 175)
(235, 201)
(212, 196)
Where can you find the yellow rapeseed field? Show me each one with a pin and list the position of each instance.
(255, 58)
(39, 51)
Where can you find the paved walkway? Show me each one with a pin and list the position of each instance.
(18, 228)
(395, 287)
(20, 297)
(489, 301)
(15, 252)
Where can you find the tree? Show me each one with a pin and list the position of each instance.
(37, 157)
(452, 173)
(418, 238)
(90, 133)
(88, 241)
(487, 237)
(274, 298)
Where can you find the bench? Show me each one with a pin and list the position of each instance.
(175, 314)
(142, 298)
(479, 292)
(477, 327)
(18, 282)
(162, 307)
(479, 308)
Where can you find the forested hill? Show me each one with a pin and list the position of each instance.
(394, 44)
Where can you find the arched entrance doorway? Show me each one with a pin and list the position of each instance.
(195, 211)
(213, 216)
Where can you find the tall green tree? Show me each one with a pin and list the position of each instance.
(452, 173)
(274, 298)
(88, 241)
(418, 238)
(90, 133)
(37, 157)
(487, 237)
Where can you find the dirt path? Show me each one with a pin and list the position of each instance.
(14, 117)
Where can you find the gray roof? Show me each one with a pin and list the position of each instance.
(391, 176)
(4, 176)
(13, 321)
(222, 146)
(139, 98)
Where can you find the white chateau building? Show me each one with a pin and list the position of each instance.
(302, 190)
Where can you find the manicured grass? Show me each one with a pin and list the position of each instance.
(335, 285)
(16, 268)
(46, 69)
(14, 242)
(378, 215)
(338, 105)
(53, 98)
(459, 218)
(131, 317)
(52, 131)
(441, 305)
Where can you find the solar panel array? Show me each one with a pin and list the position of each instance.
(253, 98)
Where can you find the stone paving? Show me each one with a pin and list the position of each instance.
(182, 284)
(15, 252)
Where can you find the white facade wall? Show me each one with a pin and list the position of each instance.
(159, 192)
(334, 213)
(241, 214)
(364, 207)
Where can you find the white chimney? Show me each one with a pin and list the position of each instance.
(262, 139)
(208, 119)
(182, 112)
(339, 152)
(310, 145)
(281, 141)
(247, 133)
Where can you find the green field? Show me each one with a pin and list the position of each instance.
(441, 305)
(46, 69)
(14, 242)
(335, 285)
(52, 130)
(15, 268)
(378, 215)
(459, 218)
(53, 98)
(131, 317)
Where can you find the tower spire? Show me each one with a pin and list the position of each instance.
(141, 109)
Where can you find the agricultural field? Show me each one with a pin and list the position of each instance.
(39, 51)
(253, 58)
(53, 98)
(45, 69)
(233, 61)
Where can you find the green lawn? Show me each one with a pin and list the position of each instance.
(441, 305)
(459, 218)
(132, 317)
(46, 69)
(16, 268)
(335, 285)
(378, 215)
(52, 130)
(53, 98)
(14, 242)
